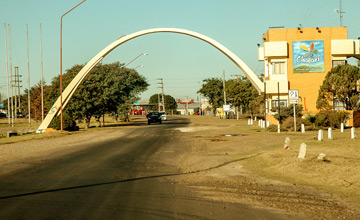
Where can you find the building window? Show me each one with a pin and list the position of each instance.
(283, 103)
(338, 63)
(338, 105)
(279, 67)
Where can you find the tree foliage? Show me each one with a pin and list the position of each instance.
(286, 112)
(341, 83)
(241, 92)
(108, 88)
(170, 102)
(35, 101)
(212, 89)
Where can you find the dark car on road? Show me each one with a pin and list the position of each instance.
(154, 117)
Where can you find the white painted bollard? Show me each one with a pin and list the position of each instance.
(353, 134)
(302, 152)
(287, 143)
(320, 135)
(330, 133)
(267, 123)
(302, 128)
(259, 123)
(264, 123)
(342, 127)
(251, 121)
(255, 118)
(248, 121)
(278, 128)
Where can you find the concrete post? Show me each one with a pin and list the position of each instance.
(302, 128)
(321, 135)
(353, 134)
(302, 152)
(330, 133)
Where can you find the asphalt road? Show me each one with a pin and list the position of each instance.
(130, 177)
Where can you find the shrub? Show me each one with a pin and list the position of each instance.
(68, 123)
(286, 112)
(272, 128)
(330, 118)
(310, 119)
(289, 123)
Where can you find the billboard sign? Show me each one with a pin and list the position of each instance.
(308, 56)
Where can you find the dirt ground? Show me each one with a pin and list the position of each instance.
(252, 165)
(234, 162)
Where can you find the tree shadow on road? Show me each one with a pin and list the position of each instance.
(121, 181)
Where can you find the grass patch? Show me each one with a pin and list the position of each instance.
(338, 175)
(27, 132)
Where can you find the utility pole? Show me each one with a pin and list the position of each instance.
(224, 91)
(7, 74)
(17, 91)
(162, 93)
(11, 76)
(340, 13)
(265, 103)
(42, 78)
(18, 86)
(200, 110)
(224, 87)
(159, 101)
(239, 108)
(14, 84)
(28, 65)
(61, 89)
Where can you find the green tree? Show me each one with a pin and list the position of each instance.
(212, 89)
(341, 83)
(35, 101)
(108, 88)
(170, 102)
(241, 92)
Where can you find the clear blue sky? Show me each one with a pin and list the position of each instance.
(182, 61)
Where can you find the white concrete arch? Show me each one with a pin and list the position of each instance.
(71, 88)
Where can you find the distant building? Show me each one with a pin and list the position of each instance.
(141, 108)
(189, 109)
(299, 59)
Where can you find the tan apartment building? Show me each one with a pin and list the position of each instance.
(299, 59)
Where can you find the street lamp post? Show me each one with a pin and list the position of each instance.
(61, 102)
(140, 66)
(142, 54)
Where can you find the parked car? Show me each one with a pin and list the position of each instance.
(154, 117)
(163, 116)
(2, 115)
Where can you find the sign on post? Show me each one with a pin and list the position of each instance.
(226, 108)
(293, 96)
(294, 99)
